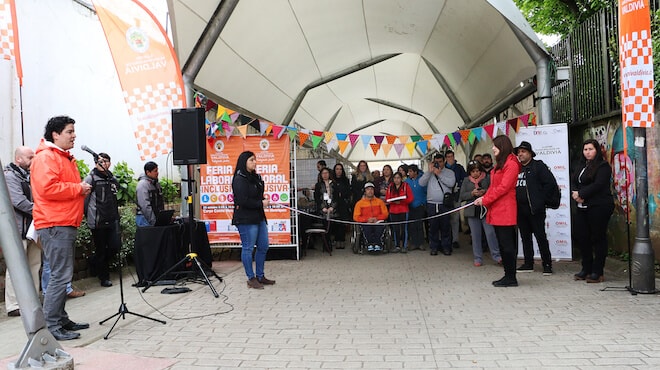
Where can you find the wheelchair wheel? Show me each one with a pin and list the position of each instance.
(355, 239)
(388, 240)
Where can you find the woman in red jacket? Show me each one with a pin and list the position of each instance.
(500, 200)
(399, 210)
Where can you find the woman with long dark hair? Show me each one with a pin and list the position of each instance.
(343, 195)
(399, 210)
(500, 200)
(325, 198)
(590, 189)
(360, 177)
(250, 218)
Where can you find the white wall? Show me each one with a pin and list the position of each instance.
(68, 70)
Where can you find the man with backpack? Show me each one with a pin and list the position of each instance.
(535, 184)
(102, 213)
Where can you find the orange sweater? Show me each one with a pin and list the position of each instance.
(366, 208)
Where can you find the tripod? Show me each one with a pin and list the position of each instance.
(190, 257)
(123, 309)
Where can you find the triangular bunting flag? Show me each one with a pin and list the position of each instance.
(255, 123)
(533, 119)
(427, 136)
(399, 148)
(263, 126)
(303, 136)
(386, 148)
(403, 139)
(525, 119)
(228, 129)
(341, 137)
(353, 138)
(317, 133)
(379, 139)
(457, 137)
(316, 140)
(477, 131)
(243, 130)
(365, 140)
(471, 137)
(436, 143)
(410, 147)
(374, 147)
(490, 130)
(452, 139)
(423, 146)
(415, 138)
(278, 131)
(234, 116)
(465, 134)
(391, 139)
(332, 144)
(342, 146)
(219, 113)
(513, 123)
(292, 131)
(210, 104)
(503, 127)
(328, 136)
(447, 140)
(225, 117)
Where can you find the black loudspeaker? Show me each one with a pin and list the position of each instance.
(188, 136)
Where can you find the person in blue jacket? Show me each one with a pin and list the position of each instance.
(417, 209)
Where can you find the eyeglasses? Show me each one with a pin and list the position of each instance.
(472, 162)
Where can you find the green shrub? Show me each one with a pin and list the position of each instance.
(127, 184)
(171, 191)
(83, 168)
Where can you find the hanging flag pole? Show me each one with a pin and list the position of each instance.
(637, 111)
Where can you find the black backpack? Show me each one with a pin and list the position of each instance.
(553, 198)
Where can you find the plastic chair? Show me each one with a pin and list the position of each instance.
(318, 229)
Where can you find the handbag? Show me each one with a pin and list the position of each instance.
(448, 198)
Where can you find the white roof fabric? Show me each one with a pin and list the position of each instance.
(270, 50)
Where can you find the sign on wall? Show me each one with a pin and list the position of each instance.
(550, 143)
(216, 195)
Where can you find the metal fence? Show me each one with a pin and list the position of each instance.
(591, 53)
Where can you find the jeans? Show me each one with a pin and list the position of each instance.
(373, 234)
(400, 231)
(476, 225)
(45, 276)
(57, 243)
(439, 228)
(529, 224)
(251, 235)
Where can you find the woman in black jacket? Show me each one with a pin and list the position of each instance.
(342, 197)
(590, 189)
(250, 219)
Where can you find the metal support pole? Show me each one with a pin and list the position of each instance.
(643, 258)
(41, 345)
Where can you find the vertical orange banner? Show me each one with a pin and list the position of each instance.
(216, 195)
(148, 71)
(9, 36)
(636, 59)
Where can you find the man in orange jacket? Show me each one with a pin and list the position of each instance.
(58, 196)
(371, 210)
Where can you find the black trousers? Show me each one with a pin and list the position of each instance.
(506, 238)
(591, 236)
(439, 228)
(416, 228)
(529, 224)
(107, 243)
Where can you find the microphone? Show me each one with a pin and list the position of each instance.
(86, 148)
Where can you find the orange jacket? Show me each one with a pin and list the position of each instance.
(56, 189)
(367, 208)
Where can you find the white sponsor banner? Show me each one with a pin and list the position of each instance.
(550, 143)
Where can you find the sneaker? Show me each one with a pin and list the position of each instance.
(396, 250)
(370, 248)
(254, 283)
(477, 264)
(525, 268)
(14, 313)
(377, 248)
(404, 250)
(547, 270)
(505, 282)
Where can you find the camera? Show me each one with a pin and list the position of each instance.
(436, 164)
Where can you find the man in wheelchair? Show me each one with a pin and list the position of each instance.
(371, 210)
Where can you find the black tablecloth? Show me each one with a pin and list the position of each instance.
(158, 248)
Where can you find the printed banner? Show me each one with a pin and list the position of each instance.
(550, 143)
(148, 71)
(9, 36)
(636, 59)
(216, 195)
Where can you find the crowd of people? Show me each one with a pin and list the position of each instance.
(506, 195)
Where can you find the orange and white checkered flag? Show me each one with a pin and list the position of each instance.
(148, 71)
(9, 36)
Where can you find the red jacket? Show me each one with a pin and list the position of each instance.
(400, 206)
(500, 198)
(56, 188)
(367, 208)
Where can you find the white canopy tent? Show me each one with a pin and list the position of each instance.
(379, 67)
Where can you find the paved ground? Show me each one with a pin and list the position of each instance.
(410, 311)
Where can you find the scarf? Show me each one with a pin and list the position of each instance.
(478, 179)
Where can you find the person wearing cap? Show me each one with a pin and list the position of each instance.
(438, 181)
(487, 162)
(535, 181)
(370, 210)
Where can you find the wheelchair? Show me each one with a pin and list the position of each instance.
(359, 244)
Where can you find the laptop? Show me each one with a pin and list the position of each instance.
(164, 218)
